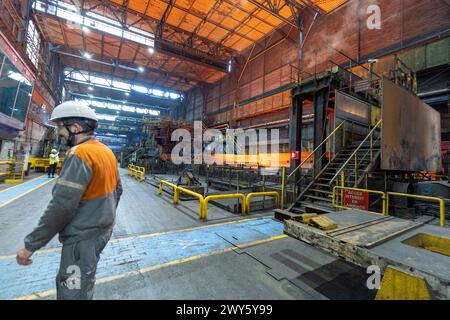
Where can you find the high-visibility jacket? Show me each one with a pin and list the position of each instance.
(53, 158)
(85, 197)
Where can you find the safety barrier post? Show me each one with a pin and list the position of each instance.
(138, 173)
(222, 196)
(142, 173)
(193, 194)
(173, 186)
(259, 194)
(419, 197)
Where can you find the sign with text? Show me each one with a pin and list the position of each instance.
(356, 199)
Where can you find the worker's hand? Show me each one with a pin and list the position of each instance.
(23, 257)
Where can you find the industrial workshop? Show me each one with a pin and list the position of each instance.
(213, 150)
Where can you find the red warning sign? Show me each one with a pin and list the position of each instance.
(356, 199)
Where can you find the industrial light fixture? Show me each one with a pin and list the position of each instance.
(90, 88)
(124, 102)
(151, 50)
(141, 69)
(91, 96)
(87, 55)
(127, 94)
(85, 29)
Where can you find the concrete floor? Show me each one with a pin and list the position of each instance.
(160, 251)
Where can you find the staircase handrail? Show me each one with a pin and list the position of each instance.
(355, 152)
(315, 150)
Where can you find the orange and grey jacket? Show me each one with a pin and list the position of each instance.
(85, 197)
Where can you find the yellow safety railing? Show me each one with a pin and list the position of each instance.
(353, 159)
(4, 172)
(162, 182)
(136, 171)
(203, 211)
(336, 204)
(311, 155)
(176, 198)
(131, 169)
(223, 196)
(441, 202)
(43, 163)
(313, 158)
(140, 173)
(261, 194)
(11, 172)
(176, 195)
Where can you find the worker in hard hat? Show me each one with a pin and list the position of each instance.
(53, 160)
(83, 207)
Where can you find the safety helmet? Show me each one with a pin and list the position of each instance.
(73, 109)
(54, 151)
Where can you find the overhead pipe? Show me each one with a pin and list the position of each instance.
(431, 93)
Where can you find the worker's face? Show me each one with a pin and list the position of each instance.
(64, 133)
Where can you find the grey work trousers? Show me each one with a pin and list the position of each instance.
(76, 275)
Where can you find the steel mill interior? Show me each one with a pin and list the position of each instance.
(225, 149)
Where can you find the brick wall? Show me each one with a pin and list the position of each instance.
(268, 66)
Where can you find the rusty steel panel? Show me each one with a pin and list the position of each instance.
(411, 136)
(348, 107)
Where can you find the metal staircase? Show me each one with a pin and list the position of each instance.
(349, 168)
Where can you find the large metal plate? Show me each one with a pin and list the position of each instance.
(348, 107)
(356, 112)
(411, 132)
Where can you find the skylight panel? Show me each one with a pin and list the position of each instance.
(94, 21)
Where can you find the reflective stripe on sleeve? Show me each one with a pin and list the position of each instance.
(70, 184)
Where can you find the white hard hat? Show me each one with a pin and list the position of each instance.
(54, 151)
(73, 109)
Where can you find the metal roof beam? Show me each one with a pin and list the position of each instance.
(269, 7)
(162, 73)
(118, 102)
(159, 28)
(178, 50)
